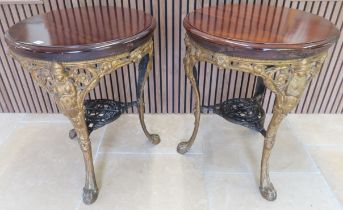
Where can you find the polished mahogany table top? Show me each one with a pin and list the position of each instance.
(263, 32)
(80, 33)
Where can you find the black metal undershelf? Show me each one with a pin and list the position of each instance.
(101, 112)
(242, 111)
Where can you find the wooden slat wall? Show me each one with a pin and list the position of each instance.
(167, 90)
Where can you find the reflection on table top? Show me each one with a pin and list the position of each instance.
(77, 30)
(256, 26)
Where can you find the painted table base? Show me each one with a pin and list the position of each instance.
(70, 82)
(286, 78)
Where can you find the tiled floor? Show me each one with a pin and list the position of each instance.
(40, 168)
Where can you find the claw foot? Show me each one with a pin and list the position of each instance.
(89, 196)
(72, 134)
(155, 139)
(268, 192)
(183, 147)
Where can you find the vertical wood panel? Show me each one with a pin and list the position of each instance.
(167, 90)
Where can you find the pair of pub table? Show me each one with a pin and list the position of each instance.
(67, 52)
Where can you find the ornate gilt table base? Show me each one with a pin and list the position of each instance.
(286, 78)
(70, 82)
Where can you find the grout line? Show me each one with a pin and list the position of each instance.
(295, 172)
(332, 193)
(221, 173)
(100, 143)
(151, 153)
(296, 136)
(43, 121)
(340, 146)
(207, 191)
(208, 174)
(26, 119)
(329, 188)
(306, 147)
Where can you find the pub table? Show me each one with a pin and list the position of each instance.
(68, 51)
(283, 47)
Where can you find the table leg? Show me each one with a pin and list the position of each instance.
(70, 82)
(70, 102)
(145, 66)
(266, 187)
(189, 62)
(90, 190)
(287, 97)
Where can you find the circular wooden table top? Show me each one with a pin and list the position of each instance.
(80, 33)
(260, 32)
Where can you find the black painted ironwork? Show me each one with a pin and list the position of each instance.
(103, 111)
(242, 111)
(142, 68)
(247, 112)
(260, 88)
(195, 75)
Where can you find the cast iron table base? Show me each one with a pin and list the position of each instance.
(70, 56)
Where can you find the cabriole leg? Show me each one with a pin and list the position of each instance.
(145, 66)
(67, 100)
(285, 102)
(90, 190)
(189, 62)
(266, 187)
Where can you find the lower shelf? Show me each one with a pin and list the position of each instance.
(101, 112)
(242, 111)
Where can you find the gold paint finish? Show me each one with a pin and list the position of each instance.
(69, 82)
(286, 78)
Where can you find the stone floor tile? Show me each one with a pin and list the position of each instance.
(8, 122)
(214, 128)
(125, 135)
(329, 160)
(288, 154)
(295, 191)
(318, 129)
(224, 159)
(149, 182)
(41, 168)
(31, 118)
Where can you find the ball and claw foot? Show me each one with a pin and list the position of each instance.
(155, 139)
(268, 192)
(182, 147)
(72, 134)
(89, 196)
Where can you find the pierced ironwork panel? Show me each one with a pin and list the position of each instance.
(101, 112)
(242, 111)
